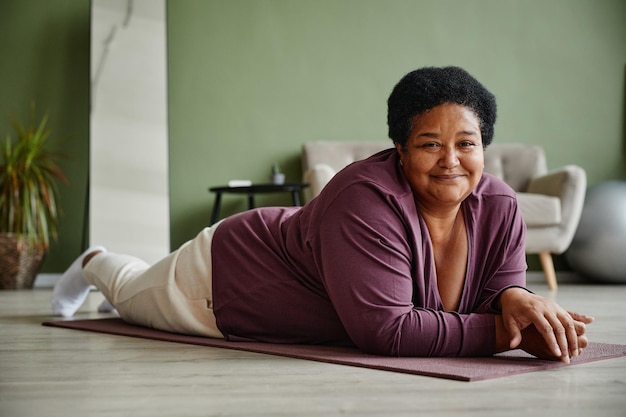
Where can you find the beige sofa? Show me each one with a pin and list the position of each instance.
(550, 201)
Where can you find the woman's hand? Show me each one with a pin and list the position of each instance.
(540, 326)
(534, 343)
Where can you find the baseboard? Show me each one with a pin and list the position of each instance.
(46, 280)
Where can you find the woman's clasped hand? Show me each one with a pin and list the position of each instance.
(539, 326)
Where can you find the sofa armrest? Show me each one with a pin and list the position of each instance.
(317, 177)
(569, 184)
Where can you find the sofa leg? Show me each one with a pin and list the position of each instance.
(548, 269)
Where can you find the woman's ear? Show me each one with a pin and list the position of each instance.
(401, 152)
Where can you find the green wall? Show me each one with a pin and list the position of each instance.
(251, 80)
(44, 59)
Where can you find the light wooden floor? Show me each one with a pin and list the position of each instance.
(57, 372)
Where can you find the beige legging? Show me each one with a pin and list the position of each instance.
(174, 295)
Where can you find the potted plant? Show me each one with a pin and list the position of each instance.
(28, 201)
(277, 177)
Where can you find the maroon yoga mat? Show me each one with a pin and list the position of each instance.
(461, 369)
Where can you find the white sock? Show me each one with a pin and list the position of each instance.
(106, 307)
(71, 290)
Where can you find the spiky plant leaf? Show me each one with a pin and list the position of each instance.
(29, 173)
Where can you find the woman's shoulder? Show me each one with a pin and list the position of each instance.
(492, 198)
(380, 170)
(368, 187)
(492, 186)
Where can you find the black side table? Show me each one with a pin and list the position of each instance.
(251, 190)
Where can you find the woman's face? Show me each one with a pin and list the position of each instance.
(443, 160)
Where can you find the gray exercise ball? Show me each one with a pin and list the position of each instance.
(598, 251)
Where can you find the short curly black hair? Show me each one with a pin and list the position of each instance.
(425, 88)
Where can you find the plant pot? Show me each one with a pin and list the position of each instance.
(278, 179)
(19, 262)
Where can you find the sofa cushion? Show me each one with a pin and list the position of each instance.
(539, 209)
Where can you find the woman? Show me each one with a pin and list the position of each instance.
(411, 252)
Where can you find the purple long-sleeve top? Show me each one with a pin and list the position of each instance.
(355, 267)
